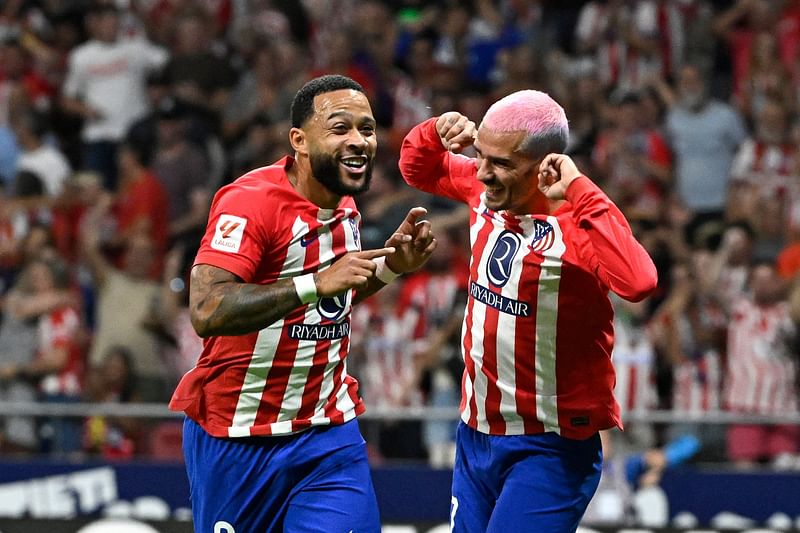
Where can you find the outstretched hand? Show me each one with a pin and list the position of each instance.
(455, 131)
(413, 242)
(556, 172)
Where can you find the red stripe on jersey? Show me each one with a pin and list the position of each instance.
(277, 380)
(352, 389)
(331, 410)
(469, 364)
(525, 366)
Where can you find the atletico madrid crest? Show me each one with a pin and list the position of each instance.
(543, 236)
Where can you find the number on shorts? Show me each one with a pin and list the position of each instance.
(223, 527)
(453, 509)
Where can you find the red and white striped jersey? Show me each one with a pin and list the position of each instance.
(634, 363)
(59, 329)
(292, 374)
(696, 384)
(761, 370)
(538, 331)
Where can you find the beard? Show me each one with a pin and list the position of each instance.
(693, 100)
(327, 171)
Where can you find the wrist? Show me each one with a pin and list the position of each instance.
(306, 288)
(384, 272)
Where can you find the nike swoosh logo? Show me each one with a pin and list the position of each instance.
(305, 240)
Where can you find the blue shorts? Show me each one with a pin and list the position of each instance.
(315, 481)
(522, 482)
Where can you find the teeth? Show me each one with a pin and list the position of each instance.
(354, 162)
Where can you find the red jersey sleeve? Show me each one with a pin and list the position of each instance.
(619, 261)
(235, 237)
(426, 165)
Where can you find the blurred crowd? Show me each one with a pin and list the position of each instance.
(120, 119)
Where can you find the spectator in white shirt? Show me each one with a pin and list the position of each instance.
(106, 86)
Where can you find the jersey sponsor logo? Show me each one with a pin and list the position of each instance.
(503, 304)
(501, 260)
(229, 233)
(543, 236)
(333, 307)
(319, 332)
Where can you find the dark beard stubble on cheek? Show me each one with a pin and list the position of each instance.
(326, 169)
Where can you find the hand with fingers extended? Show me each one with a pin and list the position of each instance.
(455, 130)
(556, 173)
(351, 271)
(413, 242)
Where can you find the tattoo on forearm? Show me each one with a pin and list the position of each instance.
(221, 304)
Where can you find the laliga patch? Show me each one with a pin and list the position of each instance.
(229, 233)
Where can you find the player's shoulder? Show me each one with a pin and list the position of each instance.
(269, 179)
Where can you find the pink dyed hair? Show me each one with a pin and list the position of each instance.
(534, 112)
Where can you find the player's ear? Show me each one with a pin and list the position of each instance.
(297, 138)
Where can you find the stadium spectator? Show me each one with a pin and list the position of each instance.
(271, 292)
(635, 162)
(57, 368)
(113, 381)
(182, 169)
(704, 135)
(197, 74)
(761, 371)
(547, 246)
(39, 156)
(124, 302)
(385, 355)
(106, 86)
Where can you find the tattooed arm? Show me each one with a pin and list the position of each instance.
(220, 303)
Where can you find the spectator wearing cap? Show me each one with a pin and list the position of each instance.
(106, 86)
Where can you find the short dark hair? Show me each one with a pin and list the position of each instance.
(303, 103)
(140, 146)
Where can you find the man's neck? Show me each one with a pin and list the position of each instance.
(307, 186)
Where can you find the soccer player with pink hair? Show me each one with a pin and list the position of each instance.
(547, 247)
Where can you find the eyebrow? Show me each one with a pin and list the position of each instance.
(493, 159)
(348, 115)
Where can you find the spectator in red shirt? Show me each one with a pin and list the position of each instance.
(142, 205)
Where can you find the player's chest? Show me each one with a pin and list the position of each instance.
(529, 250)
(315, 243)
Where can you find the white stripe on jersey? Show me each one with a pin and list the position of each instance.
(326, 389)
(293, 398)
(344, 403)
(546, 322)
(255, 380)
(264, 352)
(268, 338)
(506, 344)
(478, 315)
